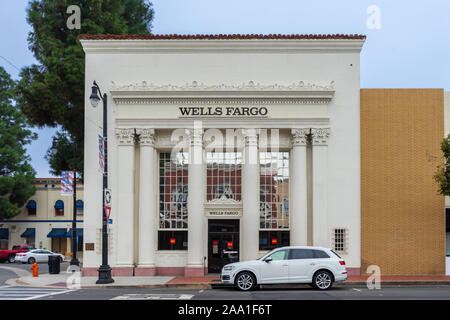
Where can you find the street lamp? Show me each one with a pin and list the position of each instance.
(74, 261)
(104, 272)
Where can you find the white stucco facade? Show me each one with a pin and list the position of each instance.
(310, 91)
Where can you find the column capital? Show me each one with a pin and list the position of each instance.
(195, 136)
(299, 136)
(250, 137)
(125, 136)
(146, 136)
(320, 136)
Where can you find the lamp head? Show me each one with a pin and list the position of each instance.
(95, 99)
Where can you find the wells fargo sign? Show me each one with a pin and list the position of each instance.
(223, 111)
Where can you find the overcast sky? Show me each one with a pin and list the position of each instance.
(408, 47)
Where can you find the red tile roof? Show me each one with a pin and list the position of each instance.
(221, 36)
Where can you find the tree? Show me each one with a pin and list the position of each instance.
(16, 173)
(51, 93)
(442, 175)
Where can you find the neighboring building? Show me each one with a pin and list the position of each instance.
(351, 169)
(46, 219)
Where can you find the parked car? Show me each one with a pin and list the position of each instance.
(9, 255)
(317, 266)
(37, 255)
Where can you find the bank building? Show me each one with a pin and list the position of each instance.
(222, 147)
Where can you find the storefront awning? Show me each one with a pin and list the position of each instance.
(57, 233)
(4, 233)
(31, 204)
(80, 204)
(29, 233)
(59, 204)
(79, 233)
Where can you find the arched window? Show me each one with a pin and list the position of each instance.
(59, 208)
(31, 208)
(80, 207)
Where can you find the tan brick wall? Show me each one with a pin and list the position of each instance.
(402, 215)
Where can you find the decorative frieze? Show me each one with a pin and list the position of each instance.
(125, 136)
(146, 137)
(320, 136)
(299, 137)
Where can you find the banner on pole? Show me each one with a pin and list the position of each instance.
(66, 183)
(108, 212)
(101, 153)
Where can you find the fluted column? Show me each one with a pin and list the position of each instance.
(147, 204)
(125, 210)
(196, 191)
(250, 197)
(320, 185)
(299, 199)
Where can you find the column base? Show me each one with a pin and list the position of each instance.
(145, 271)
(194, 271)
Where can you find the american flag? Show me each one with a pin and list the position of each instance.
(66, 183)
(101, 154)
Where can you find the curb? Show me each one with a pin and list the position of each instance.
(199, 286)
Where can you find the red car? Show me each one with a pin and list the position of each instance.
(10, 255)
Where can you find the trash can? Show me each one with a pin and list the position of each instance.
(54, 266)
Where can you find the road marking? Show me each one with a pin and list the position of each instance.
(28, 293)
(147, 296)
(357, 289)
(201, 291)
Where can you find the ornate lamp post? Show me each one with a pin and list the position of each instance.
(104, 272)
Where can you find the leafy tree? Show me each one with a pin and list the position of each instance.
(51, 93)
(442, 175)
(16, 173)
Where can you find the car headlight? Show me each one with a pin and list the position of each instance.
(228, 268)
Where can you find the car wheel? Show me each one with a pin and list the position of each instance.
(31, 260)
(12, 258)
(322, 280)
(245, 281)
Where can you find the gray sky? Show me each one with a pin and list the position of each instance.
(410, 49)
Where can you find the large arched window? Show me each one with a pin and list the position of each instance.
(31, 207)
(59, 208)
(80, 207)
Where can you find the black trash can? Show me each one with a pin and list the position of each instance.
(54, 265)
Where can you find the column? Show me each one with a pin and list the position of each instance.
(147, 204)
(250, 197)
(196, 191)
(299, 183)
(320, 182)
(125, 210)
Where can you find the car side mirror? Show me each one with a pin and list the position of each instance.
(267, 260)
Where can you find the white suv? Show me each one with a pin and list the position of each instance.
(313, 265)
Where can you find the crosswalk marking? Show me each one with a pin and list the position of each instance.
(28, 293)
(146, 296)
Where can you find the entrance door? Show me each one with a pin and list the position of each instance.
(223, 243)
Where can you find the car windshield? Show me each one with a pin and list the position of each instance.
(16, 247)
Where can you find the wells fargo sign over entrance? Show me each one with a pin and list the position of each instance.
(223, 111)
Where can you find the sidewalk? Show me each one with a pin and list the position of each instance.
(206, 282)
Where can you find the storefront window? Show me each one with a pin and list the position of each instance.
(173, 190)
(269, 240)
(172, 240)
(274, 190)
(223, 175)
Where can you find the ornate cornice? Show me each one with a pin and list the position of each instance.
(146, 137)
(250, 86)
(245, 93)
(125, 136)
(320, 136)
(299, 137)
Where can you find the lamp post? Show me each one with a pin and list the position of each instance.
(104, 272)
(74, 261)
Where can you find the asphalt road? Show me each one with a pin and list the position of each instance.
(300, 293)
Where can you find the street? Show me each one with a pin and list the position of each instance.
(301, 293)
